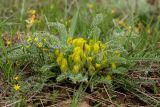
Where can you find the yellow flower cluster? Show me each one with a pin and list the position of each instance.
(137, 28)
(38, 42)
(31, 19)
(16, 87)
(61, 61)
(88, 55)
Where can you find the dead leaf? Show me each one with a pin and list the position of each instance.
(83, 104)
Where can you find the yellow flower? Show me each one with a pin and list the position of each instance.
(69, 40)
(16, 78)
(76, 55)
(16, 87)
(75, 41)
(36, 39)
(59, 59)
(40, 44)
(77, 50)
(57, 52)
(76, 58)
(117, 53)
(98, 66)
(32, 18)
(96, 47)
(87, 48)
(8, 42)
(76, 68)
(79, 42)
(113, 66)
(89, 60)
(32, 11)
(90, 5)
(29, 39)
(64, 65)
(108, 77)
(30, 21)
(64, 61)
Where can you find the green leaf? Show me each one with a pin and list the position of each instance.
(45, 68)
(99, 80)
(61, 77)
(120, 70)
(95, 31)
(73, 24)
(97, 20)
(78, 78)
(62, 30)
(117, 59)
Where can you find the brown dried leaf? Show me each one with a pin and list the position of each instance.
(83, 104)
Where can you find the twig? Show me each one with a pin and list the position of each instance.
(11, 105)
(41, 103)
(108, 94)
